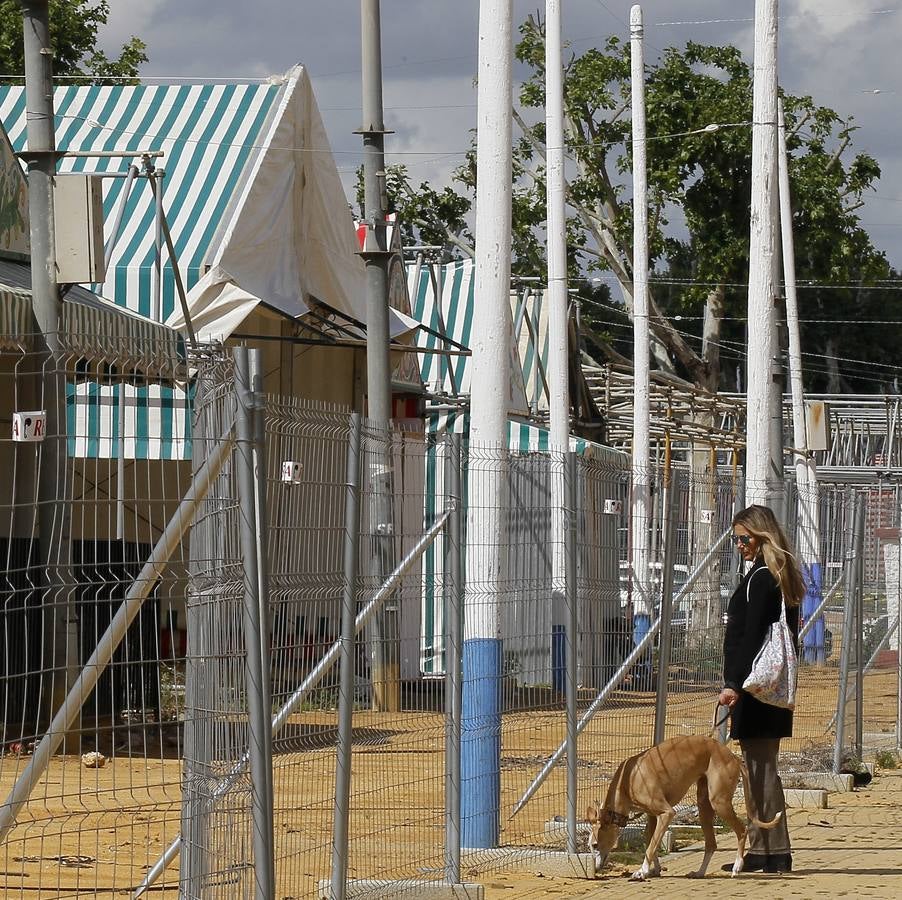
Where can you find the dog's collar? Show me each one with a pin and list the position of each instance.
(612, 817)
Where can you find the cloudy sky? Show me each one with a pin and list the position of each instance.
(845, 59)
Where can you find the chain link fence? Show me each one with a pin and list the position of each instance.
(246, 674)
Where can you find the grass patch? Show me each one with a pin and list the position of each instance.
(626, 857)
(684, 836)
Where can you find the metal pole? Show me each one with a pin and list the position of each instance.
(112, 637)
(760, 478)
(487, 557)
(120, 212)
(306, 686)
(620, 674)
(848, 630)
(61, 651)
(375, 254)
(156, 178)
(338, 884)
(257, 396)
(806, 473)
(561, 467)
(176, 272)
(641, 493)
(859, 633)
(258, 715)
(809, 623)
(120, 467)
(666, 614)
(899, 652)
(571, 593)
(453, 657)
(558, 380)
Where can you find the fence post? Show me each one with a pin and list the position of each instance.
(859, 629)
(338, 884)
(454, 592)
(666, 612)
(262, 520)
(256, 672)
(571, 593)
(856, 523)
(899, 660)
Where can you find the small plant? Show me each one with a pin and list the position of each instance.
(887, 759)
(853, 765)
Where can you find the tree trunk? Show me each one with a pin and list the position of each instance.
(834, 379)
(714, 312)
(705, 609)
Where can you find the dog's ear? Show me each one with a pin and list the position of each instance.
(591, 814)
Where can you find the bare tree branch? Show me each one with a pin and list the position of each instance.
(834, 160)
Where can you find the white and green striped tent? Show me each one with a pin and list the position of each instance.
(442, 297)
(253, 200)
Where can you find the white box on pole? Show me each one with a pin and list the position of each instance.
(817, 424)
(78, 222)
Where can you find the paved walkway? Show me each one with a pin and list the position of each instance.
(852, 849)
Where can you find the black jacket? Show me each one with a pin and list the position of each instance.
(754, 606)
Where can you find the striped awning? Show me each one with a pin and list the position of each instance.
(143, 408)
(98, 331)
(208, 133)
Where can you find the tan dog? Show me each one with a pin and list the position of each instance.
(655, 781)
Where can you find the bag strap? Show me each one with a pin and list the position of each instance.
(782, 598)
(749, 582)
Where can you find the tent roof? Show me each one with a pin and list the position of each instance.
(251, 193)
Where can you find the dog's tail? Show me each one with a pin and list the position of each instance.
(750, 802)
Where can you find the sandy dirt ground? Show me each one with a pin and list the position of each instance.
(851, 849)
(94, 832)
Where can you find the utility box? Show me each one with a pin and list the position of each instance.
(817, 424)
(78, 219)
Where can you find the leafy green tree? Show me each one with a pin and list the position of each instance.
(699, 111)
(74, 25)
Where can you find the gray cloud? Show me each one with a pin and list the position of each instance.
(429, 50)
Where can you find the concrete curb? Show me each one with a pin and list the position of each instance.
(800, 797)
(420, 890)
(823, 781)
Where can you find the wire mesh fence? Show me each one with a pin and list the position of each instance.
(383, 760)
(95, 454)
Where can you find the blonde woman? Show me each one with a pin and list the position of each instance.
(771, 573)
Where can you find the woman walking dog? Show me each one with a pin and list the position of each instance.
(758, 726)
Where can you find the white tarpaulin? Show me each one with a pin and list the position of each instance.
(288, 237)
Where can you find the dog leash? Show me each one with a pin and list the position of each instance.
(718, 722)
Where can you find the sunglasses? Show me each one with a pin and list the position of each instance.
(744, 539)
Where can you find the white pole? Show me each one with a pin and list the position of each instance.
(558, 401)
(806, 471)
(760, 479)
(641, 505)
(486, 548)
(558, 387)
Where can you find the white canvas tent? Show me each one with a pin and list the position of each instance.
(288, 237)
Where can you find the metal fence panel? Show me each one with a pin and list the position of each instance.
(172, 719)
